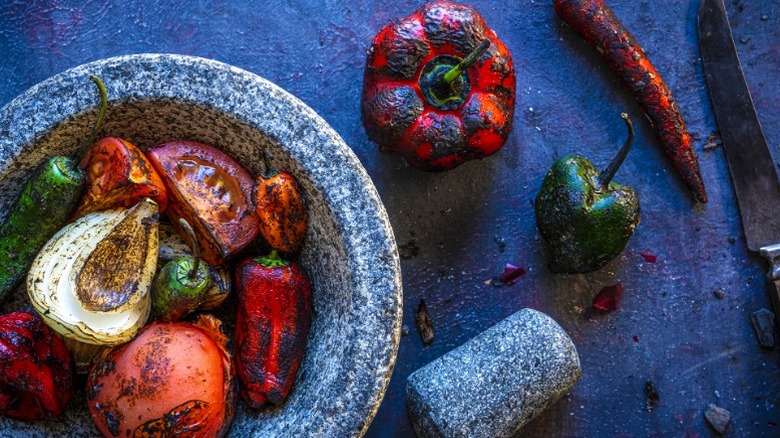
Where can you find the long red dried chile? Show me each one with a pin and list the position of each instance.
(36, 369)
(602, 29)
(272, 325)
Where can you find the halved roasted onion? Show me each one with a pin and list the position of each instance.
(91, 281)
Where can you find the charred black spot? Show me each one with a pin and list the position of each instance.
(404, 51)
(472, 117)
(446, 137)
(150, 221)
(501, 64)
(101, 368)
(112, 422)
(475, 117)
(94, 390)
(455, 24)
(389, 114)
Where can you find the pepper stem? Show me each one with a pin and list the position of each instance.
(101, 114)
(467, 62)
(268, 172)
(194, 244)
(606, 175)
(272, 260)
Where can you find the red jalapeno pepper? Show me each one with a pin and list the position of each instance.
(272, 326)
(439, 87)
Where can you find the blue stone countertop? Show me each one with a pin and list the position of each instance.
(456, 230)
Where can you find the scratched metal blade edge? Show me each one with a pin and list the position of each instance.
(751, 165)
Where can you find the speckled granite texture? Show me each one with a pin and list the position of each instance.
(494, 384)
(350, 252)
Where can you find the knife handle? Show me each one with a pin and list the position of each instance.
(772, 254)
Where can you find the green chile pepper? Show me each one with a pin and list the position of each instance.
(585, 218)
(180, 286)
(43, 207)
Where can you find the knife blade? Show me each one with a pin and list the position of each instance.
(752, 168)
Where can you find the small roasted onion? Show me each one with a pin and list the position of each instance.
(174, 379)
(91, 281)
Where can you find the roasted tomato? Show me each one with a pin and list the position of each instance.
(174, 379)
(118, 175)
(212, 192)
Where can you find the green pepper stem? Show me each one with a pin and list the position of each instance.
(99, 122)
(606, 175)
(272, 260)
(268, 172)
(467, 62)
(194, 244)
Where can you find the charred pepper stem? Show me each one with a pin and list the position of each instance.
(101, 115)
(443, 81)
(269, 171)
(607, 174)
(272, 260)
(194, 244)
(467, 62)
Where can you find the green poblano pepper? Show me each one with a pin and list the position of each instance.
(45, 204)
(42, 208)
(585, 218)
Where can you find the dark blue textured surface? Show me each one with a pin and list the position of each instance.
(670, 329)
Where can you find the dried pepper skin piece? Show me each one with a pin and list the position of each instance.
(406, 109)
(36, 369)
(118, 175)
(212, 192)
(598, 25)
(272, 327)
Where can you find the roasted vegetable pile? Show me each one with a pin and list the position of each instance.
(119, 245)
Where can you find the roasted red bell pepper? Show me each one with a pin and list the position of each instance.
(212, 192)
(281, 208)
(424, 98)
(118, 175)
(272, 326)
(36, 369)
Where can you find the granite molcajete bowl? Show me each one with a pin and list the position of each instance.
(350, 252)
